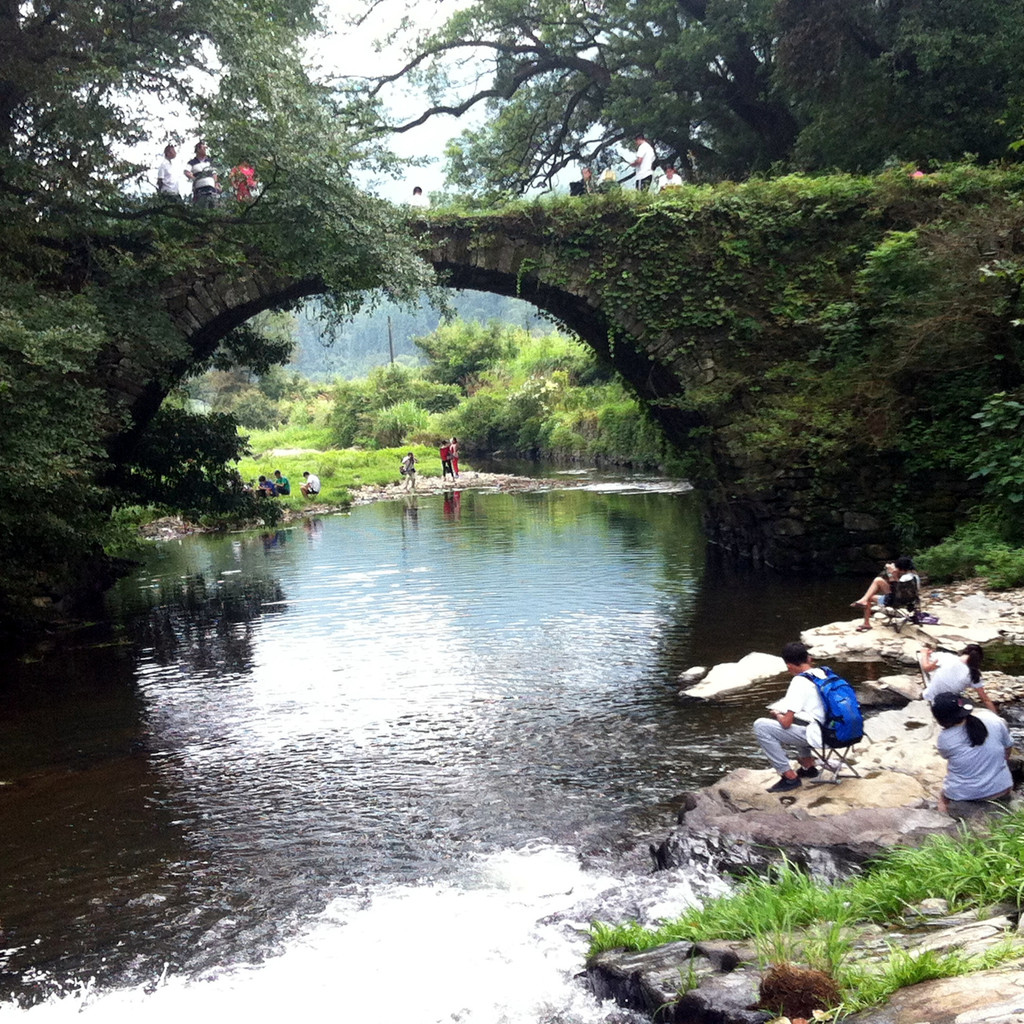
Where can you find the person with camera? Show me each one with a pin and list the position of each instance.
(946, 672)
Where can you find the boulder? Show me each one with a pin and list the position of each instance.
(691, 983)
(735, 675)
(907, 687)
(736, 824)
(985, 997)
(691, 675)
(682, 982)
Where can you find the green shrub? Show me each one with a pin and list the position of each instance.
(1004, 566)
(254, 409)
(791, 913)
(977, 547)
(459, 350)
(389, 427)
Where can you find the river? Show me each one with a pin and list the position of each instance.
(382, 765)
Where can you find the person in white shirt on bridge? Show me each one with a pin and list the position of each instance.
(671, 180)
(643, 161)
(168, 177)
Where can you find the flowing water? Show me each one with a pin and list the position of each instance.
(377, 766)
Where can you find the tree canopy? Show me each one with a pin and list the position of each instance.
(722, 88)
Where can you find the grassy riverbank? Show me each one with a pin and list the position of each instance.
(789, 917)
(341, 472)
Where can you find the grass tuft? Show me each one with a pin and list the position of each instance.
(789, 916)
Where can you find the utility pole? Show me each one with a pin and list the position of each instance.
(391, 342)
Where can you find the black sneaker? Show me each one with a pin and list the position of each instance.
(807, 773)
(785, 784)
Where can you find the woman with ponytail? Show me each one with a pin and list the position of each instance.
(952, 673)
(976, 745)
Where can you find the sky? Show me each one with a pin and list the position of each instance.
(353, 52)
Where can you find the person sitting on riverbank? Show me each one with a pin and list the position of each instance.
(976, 745)
(881, 586)
(947, 672)
(281, 484)
(266, 488)
(311, 488)
(800, 709)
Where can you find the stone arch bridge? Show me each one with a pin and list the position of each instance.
(681, 341)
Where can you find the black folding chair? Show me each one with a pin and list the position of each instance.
(834, 756)
(903, 602)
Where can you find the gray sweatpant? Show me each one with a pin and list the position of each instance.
(773, 739)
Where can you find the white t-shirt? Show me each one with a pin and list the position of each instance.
(803, 699)
(950, 676)
(976, 773)
(313, 483)
(419, 199)
(645, 154)
(168, 181)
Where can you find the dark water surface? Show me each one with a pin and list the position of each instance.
(356, 716)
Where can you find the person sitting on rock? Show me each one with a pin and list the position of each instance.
(880, 587)
(790, 719)
(976, 745)
(947, 672)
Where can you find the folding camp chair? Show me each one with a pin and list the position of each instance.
(833, 756)
(903, 602)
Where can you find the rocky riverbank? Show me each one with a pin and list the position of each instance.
(831, 829)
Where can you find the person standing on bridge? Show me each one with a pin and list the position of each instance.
(205, 190)
(243, 182)
(643, 161)
(671, 180)
(168, 181)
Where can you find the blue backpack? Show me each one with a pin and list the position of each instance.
(844, 723)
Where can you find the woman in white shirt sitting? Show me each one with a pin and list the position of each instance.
(976, 745)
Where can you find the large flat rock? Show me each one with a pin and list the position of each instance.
(736, 823)
(987, 997)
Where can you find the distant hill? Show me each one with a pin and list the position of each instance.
(354, 349)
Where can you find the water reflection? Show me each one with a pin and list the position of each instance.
(362, 701)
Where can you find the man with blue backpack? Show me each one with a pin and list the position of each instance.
(817, 698)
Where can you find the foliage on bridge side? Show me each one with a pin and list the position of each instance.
(832, 335)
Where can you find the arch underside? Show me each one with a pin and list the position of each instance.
(655, 387)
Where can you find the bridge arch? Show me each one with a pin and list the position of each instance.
(204, 308)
